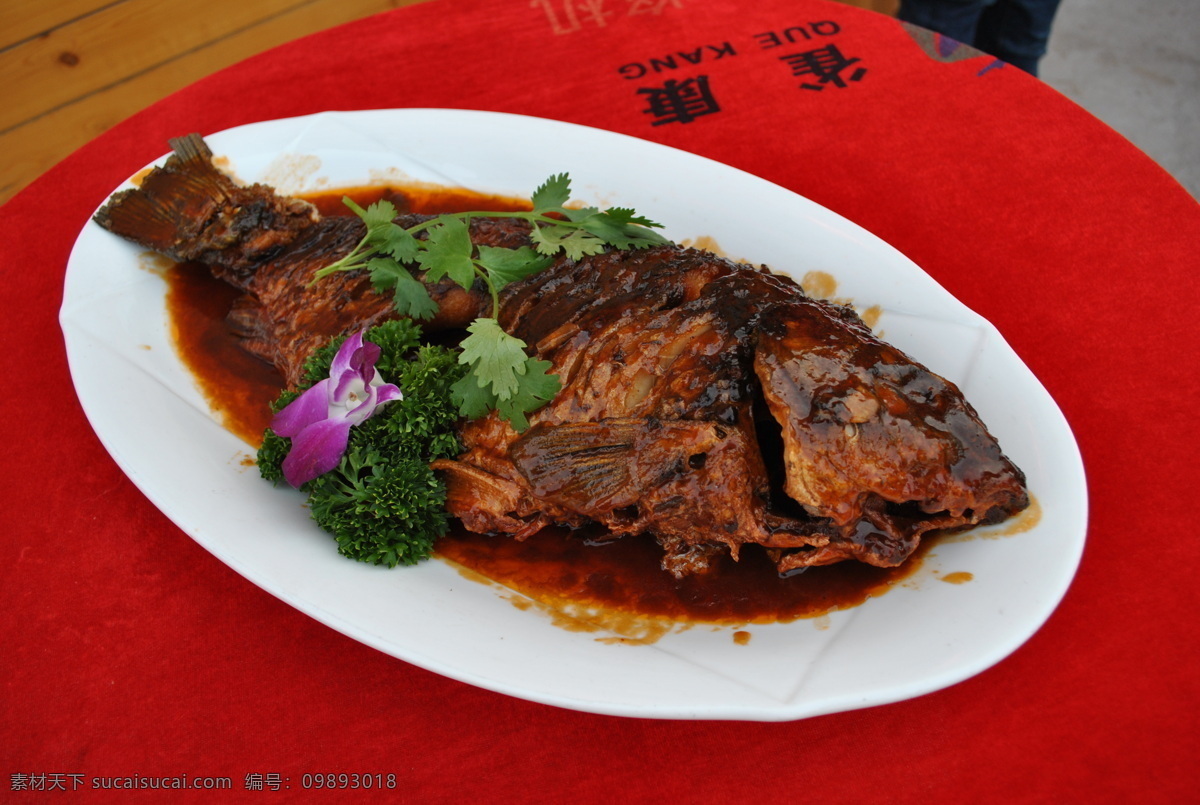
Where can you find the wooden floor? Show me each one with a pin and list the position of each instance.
(69, 71)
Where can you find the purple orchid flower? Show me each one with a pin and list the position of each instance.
(318, 421)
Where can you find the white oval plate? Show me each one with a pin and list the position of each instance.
(921, 636)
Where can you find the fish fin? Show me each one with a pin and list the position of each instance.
(191, 148)
(595, 467)
(586, 461)
(172, 203)
(188, 209)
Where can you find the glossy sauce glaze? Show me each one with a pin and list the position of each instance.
(620, 576)
(624, 576)
(239, 386)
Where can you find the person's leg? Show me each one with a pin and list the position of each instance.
(957, 19)
(1017, 31)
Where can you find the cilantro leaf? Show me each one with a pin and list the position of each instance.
(385, 273)
(502, 376)
(619, 227)
(510, 265)
(409, 294)
(412, 299)
(448, 251)
(574, 243)
(579, 213)
(605, 228)
(496, 358)
(625, 215)
(538, 387)
(473, 400)
(552, 194)
(399, 243)
(377, 217)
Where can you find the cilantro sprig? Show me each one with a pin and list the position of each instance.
(501, 375)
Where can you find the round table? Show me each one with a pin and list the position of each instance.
(130, 653)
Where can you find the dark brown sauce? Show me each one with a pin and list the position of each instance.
(424, 200)
(624, 575)
(239, 387)
(621, 577)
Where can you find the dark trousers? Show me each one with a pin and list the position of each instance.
(1013, 30)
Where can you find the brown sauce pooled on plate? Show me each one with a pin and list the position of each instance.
(624, 575)
(621, 576)
(239, 386)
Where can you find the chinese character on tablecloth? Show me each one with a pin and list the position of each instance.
(826, 64)
(679, 101)
(569, 16)
(651, 6)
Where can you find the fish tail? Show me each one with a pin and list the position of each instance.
(190, 210)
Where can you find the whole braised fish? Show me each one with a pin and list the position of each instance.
(705, 402)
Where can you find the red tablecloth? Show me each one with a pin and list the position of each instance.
(126, 649)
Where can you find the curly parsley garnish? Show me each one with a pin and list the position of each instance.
(382, 502)
(501, 375)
